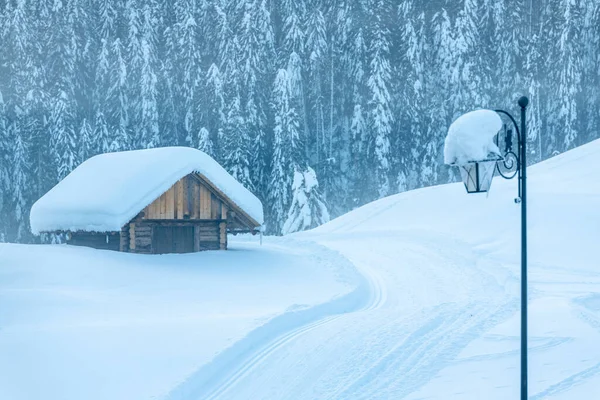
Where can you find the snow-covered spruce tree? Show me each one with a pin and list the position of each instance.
(465, 78)
(439, 85)
(4, 170)
(188, 67)
(105, 74)
(417, 164)
(215, 119)
(80, 17)
(103, 79)
(149, 131)
(570, 73)
(87, 144)
(117, 99)
(134, 59)
(379, 81)
(316, 50)
(285, 150)
(509, 41)
(19, 173)
(61, 125)
(205, 142)
(102, 137)
(236, 144)
(236, 140)
(308, 210)
(257, 57)
(362, 188)
(551, 26)
(334, 160)
(591, 71)
(293, 14)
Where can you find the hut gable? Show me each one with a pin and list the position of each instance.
(166, 200)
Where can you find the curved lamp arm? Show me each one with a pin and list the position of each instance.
(511, 157)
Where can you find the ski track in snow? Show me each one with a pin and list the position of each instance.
(416, 355)
(233, 364)
(397, 368)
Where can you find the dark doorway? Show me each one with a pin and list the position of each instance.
(173, 239)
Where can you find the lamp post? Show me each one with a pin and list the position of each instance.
(477, 177)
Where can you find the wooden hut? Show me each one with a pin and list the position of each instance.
(166, 200)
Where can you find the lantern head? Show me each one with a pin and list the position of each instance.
(477, 176)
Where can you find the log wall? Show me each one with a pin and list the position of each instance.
(102, 241)
(149, 236)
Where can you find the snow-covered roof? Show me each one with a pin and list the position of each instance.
(108, 190)
(471, 137)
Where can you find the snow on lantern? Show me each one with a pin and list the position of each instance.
(470, 147)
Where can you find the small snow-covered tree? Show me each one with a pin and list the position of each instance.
(379, 81)
(205, 142)
(308, 209)
(101, 134)
(20, 169)
(118, 102)
(149, 131)
(4, 170)
(87, 146)
(215, 107)
(285, 147)
(62, 135)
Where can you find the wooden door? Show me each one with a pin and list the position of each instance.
(173, 239)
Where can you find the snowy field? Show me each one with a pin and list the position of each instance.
(415, 296)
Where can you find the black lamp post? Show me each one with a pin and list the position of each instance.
(477, 176)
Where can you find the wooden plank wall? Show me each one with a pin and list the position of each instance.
(188, 199)
(124, 239)
(103, 241)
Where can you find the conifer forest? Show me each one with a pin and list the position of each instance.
(317, 106)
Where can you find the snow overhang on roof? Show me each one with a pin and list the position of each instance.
(108, 190)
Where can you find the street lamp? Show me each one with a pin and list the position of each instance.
(477, 176)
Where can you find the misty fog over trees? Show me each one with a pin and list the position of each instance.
(356, 95)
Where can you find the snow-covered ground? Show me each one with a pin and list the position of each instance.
(415, 296)
(78, 323)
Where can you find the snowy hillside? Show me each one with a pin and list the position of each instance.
(414, 297)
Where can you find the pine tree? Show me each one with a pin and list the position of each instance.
(205, 142)
(5, 180)
(285, 152)
(361, 185)
(570, 71)
(440, 85)
(308, 210)
(102, 136)
(135, 60)
(118, 100)
(148, 126)
(380, 118)
(257, 56)
(87, 145)
(187, 59)
(316, 48)
(20, 170)
(418, 163)
(215, 106)
(62, 116)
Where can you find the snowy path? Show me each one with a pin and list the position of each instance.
(396, 330)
